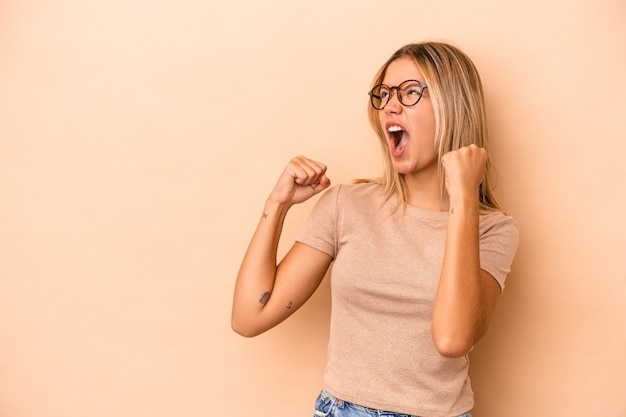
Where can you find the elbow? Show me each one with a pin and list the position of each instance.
(244, 329)
(452, 347)
(456, 340)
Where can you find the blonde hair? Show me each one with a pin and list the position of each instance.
(457, 97)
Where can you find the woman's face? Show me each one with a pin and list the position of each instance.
(410, 130)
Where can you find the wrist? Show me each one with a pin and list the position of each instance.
(464, 202)
(275, 207)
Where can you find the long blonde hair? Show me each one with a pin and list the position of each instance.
(458, 102)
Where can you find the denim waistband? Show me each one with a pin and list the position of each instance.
(328, 405)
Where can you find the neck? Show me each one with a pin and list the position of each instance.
(426, 193)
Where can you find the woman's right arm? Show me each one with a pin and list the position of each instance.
(267, 293)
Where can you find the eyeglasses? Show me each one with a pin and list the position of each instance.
(409, 93)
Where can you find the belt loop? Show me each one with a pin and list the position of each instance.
(330, 401)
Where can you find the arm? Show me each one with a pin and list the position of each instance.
(466, 296)
(267, 293)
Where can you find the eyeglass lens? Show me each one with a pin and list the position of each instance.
(409, 93)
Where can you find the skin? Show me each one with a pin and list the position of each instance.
(266, 293)
(298, 275)
(467, 295)
(418, 162)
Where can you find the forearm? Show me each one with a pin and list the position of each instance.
(257, 273)
(459, 317)
(260, 288)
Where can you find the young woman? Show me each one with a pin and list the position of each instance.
(419, 255)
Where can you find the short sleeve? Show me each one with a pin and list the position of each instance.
(499, 238)
(319, 231)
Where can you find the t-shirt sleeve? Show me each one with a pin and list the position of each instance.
(499, 237)
(319, 230)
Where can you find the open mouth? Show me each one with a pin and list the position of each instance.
(398, 136)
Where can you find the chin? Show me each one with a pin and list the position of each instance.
(402, 168)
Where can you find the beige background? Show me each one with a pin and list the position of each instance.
(138, 141)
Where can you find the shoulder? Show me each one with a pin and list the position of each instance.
(499, 224)
(364, 191)
(348, 197)
(495, 218)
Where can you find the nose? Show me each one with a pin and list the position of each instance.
(393, 105)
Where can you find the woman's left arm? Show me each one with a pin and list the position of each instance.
(467, 295)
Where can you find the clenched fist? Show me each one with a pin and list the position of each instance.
(301, 180)
(465, 170)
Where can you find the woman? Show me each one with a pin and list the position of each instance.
(419, 255)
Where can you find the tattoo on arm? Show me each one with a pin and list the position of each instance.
(265, 215)
(289, 305)
(265, 297)
(452, 210)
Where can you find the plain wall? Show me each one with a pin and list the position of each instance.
(139, 140)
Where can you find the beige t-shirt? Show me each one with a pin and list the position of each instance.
(383, 282)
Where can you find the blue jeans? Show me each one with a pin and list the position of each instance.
(328, 406)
